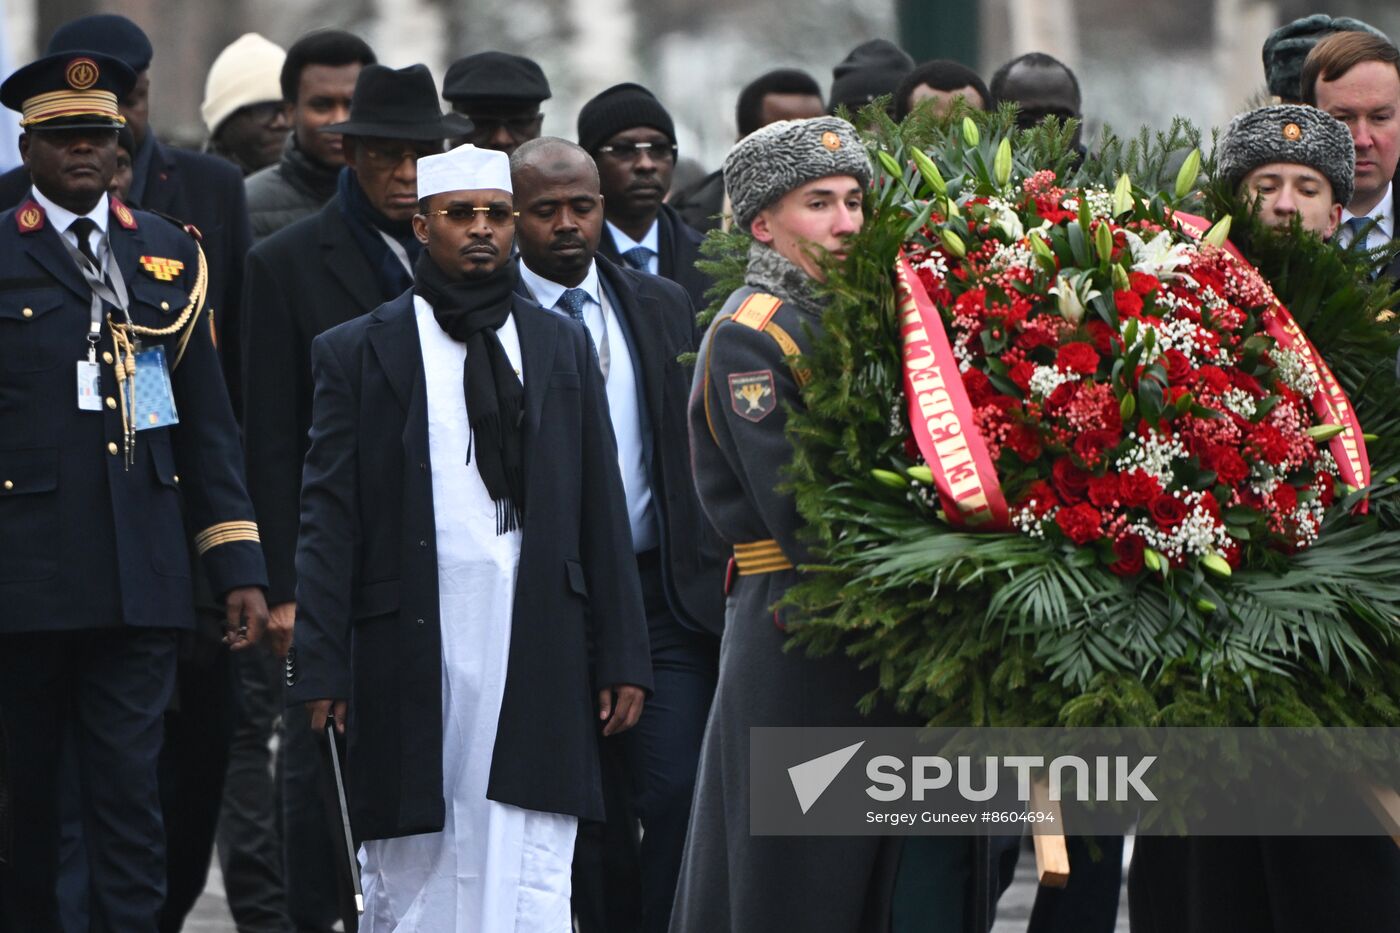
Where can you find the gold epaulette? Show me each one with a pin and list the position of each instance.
(226, 533)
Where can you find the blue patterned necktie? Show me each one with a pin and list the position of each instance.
(639, 258)
(572, 303)
(1356, 225)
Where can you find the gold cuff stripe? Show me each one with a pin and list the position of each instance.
(55, 104)
(755, 557)
(224, 532)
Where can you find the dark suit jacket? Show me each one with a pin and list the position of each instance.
(299, 283)
(85, 541)
(679, 247)
(1392, 268)
(659, 322)
(205, 191)
(368, 626)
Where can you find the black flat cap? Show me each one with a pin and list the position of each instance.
(495, 76)
(107, 33)
(398, 104)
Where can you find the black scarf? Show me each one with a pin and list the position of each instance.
(365, 222)
(470, 311)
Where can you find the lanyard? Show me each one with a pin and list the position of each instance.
(114, 294)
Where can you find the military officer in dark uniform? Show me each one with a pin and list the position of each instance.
(97, 476)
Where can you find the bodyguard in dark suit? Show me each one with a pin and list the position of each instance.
(640, 324)
(199, 189)
(97, 482)
(338, 264)
(372, 617)
(632, 138)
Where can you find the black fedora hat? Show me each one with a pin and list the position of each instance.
(400, 104)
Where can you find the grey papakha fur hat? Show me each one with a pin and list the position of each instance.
(1294, 133)
(770, 162)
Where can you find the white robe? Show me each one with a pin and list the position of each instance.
(494, 867)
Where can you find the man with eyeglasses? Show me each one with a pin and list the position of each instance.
(632, 138)
(468, 605)
(352, 255)
(501, 94)
(243, 107)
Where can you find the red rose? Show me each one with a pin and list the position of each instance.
(1167, 511)
(1104, 490)
(1178, 367)
(1103, 336)
(1090, 445)
(1023, 442)
(1138, 488)
(978, 386)
(1063, 394)
(1142, 284)
(1285, 498)
(1070, 481)
(1129, 304)
(1081, 523)
(1128, 549)
(1077, 358)
(1020, 373)
(1230, 468)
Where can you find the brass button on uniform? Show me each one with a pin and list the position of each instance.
(165, 306)
(28, 312)
(112, 448)
(9, 484)
(111, 402)
(176, 478)
(107, 358)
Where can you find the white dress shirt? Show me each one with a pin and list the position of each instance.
(62, 218)
(1384, 230)
(624, 398)
(651, 241)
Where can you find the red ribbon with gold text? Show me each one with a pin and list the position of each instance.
(940, 413)
(1330, 401)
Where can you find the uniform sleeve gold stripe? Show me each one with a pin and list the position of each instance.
(224, 528)
(208, 546)
(790, 350)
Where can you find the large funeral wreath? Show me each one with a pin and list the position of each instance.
(1149, 501)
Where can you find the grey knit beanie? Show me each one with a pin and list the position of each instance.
(770, 162)
(1293, 133)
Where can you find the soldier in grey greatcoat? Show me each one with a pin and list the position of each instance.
(798, 187)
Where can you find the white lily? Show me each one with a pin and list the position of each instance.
(1008, 221)
(1159, 257)
(1072, 294)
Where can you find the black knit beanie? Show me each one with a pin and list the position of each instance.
(621, 107)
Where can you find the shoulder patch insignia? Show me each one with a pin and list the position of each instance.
(29, 217)
(123, 215)
(161, 268)
(752, 395)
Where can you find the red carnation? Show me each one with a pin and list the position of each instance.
(1142, 284)
(1128, 549)
(1063, 394)
(1269, 441)
(1104, 490)
(1020, 373)
(1209, 503)
(1090, 445)
(1129, 304)
(1044, 496)
(1081, 523)
(1103, 336)
(1230, 468)
(1077, 358)
(978, 386)
(1285, 498)
(1213, 378)
(1167, 511)
(1243, 380)
(1070, 481)
(1326, 489)
(1138, 488)
(1023, 442)
(1178, 367)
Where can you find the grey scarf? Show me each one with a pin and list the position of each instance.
(773, 273)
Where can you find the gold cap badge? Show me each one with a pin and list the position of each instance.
(81, 73)
(1292, 132)
(831, 141)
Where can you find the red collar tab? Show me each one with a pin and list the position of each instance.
(29, 217)
(122, 213)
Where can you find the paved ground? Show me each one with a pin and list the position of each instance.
(211, 913)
